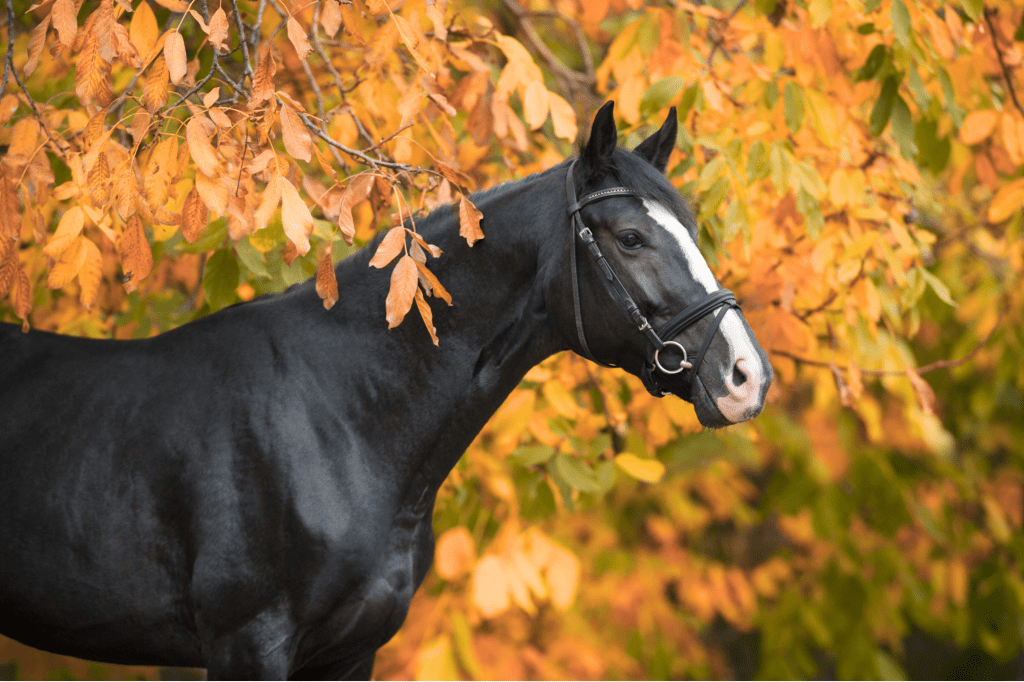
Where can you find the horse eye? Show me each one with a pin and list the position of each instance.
(630, 240)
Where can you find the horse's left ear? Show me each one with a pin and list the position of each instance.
(657, 148)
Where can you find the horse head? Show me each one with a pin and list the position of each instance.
(643, 298)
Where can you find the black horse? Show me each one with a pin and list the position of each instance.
(252, 492)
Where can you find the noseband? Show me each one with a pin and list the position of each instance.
(613, 285)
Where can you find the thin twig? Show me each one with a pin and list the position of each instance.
(355, 153)
(554, 63)
(9, 59)
(1002, 64)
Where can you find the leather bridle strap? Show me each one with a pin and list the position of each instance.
(723, 298)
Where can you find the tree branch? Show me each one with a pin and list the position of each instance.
(1002, 63)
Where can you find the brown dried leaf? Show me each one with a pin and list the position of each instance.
(127, 52)
(10, 208)
(426, 315)
(174, 55)
(925, 394)
(435, 284)
(23, 299)
(295, 217)
(199, 146)
(469, 221)
(219, 30)
(136, 254)
(8, 266)
(103, 29)
(65, 21)
(297, 141)
(92, 75)
(330, 17)
(90, 274)
(194, 216)
(68, 230)
(404, 285)
(263, 80)
(390, 246)
(442, 102)
(154, 94)
(298, 38)
(99, 181)
(259, 163)
(326, 282)
(140, 124)
(143, 29)
(36, 42)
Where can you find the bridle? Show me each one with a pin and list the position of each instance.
(723, 299)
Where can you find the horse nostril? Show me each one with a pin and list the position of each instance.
(738, 376)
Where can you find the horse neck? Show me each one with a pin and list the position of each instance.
(439, 398)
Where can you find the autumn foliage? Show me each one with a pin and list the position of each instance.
(856, 168)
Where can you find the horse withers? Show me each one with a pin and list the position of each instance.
(252, 492)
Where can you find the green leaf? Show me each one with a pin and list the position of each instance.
(916, 86)
(211, 238)
(781, 168)
(771, 94)
(252, 259)
(220, 278)
(872, 64)
(711, 172)
(882, 110)
(794, 99)
(900, 17)
(871, 5)
(758, 166)
(814, 222)
(807, 177)
(576, 473)
(605, 474)
(975, 9)
(765, 7)
(903, 128)
(709, 203)
(888, 668)
(939, 287)
(528, 455)
(933, 152)
(949, 99)
(866, 29)
(687, 101)
(659, 94)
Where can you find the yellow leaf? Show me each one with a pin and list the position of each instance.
(154, 93)
(174, 55)
(136, 254)
(68, 229)
(563, 117)
(143, 29)
(646, 470)
(435, 660)
(268, 204)
(563, 577)
(92, 75)
(404, 284)
(295, 217)
(199, 146)
(560, 399)
(69, 264)
(978, 125)
(214, 192)
(90, 274)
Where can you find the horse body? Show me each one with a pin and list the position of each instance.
(253, 492)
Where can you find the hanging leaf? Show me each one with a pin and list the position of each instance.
(326, 283)
(136, 254)
(295, 217)
(402, 291)
(298, 38)
(194, 216)
(297, 141)
(65, 21)
(174, 55)
(469, 221)
(392, 245)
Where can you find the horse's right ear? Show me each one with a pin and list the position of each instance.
(597, 154)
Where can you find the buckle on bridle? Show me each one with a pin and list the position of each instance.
(682, 365)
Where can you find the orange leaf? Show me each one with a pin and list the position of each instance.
(455, 553)
(326, 282)
(490, 587)
(435, 12)
(535, 104)
(214, 192)
(90, 274)
(268, 204)
(390, 246)
(194, 216)
(330, 17)
(8, 265)
(1006, 202)
(469, 221)
(563, 577)
(199, 145)
(219, 30)
(92, 75)
(136, 254)
(174, 55)
(263, 80)
(297, 141)
(563, 117)
(127, 52)
(978, 125)
(426, 314)
(594, 10)
(154, 94)
(23, 299)
(298, 38)
(435, 285)
(295, 217)
(35, 46)
(65, 20)
(403, 290)
(10, 207)
(99, 181)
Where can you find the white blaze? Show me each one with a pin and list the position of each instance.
(742, 354)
